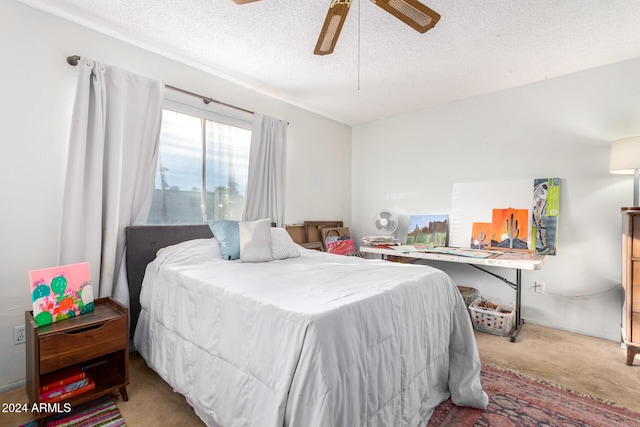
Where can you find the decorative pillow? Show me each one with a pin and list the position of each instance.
(282, 246)
(227, 233)
(255, 241)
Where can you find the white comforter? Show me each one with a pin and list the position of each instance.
(319, 340)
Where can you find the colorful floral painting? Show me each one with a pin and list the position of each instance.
(59, 293)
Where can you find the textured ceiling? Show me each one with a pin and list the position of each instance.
(380, 66)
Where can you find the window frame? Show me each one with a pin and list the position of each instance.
(207, 115)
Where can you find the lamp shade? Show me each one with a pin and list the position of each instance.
(625, 155)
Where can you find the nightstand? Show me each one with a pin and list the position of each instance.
(631, 281)
(96, 341)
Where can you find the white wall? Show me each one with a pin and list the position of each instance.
(560, 127)
(38, 87)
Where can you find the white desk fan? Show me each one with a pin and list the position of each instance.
(386, 222)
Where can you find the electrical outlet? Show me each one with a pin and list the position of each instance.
(18, 335)
(539, 287)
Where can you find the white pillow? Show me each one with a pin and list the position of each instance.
(255, 241)
(282, 246)
(216, 249)
(205, 250)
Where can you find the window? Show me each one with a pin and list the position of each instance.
(203, 165)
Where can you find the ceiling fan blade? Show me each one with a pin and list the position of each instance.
(243, 1)
(332, 26)
(411, 12)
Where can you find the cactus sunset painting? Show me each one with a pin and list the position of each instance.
(480, 235)
(510, 228)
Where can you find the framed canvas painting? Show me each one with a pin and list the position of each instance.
(429, 231)
(58, 293)
(545, 214)
(509, 228)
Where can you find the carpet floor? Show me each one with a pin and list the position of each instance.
(587, 365)
(515, 400)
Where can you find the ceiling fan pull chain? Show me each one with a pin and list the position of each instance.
(359, 3)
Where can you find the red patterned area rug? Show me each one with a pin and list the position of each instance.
(101, 412)
(518, 401)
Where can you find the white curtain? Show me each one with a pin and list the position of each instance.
(267, 170)
(113, 151)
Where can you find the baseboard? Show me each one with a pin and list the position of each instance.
(575, 331)
(11, 386)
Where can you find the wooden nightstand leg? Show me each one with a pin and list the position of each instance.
(631, 354)
(123, 393)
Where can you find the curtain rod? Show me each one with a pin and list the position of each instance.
(73, 60)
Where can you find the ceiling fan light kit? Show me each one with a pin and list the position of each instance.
(411, 12)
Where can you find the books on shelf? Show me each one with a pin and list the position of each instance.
(57, 379)
(67, 391)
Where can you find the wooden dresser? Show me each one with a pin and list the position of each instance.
(631, 281)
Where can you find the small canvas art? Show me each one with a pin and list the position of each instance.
(343, 245)
(546, 211)
(58, 293)
(429, 231)
(480, 235)
(509, 228)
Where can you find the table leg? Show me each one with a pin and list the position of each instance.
(519, 322)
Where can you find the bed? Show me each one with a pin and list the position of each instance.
(310, 340)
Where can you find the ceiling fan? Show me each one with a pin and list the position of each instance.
(411, 12)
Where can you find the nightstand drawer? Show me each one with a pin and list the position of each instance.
(62, 349)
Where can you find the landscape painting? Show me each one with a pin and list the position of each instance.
(429, 231)
(509, 228)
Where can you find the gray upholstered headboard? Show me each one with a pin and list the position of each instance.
(142, 244)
